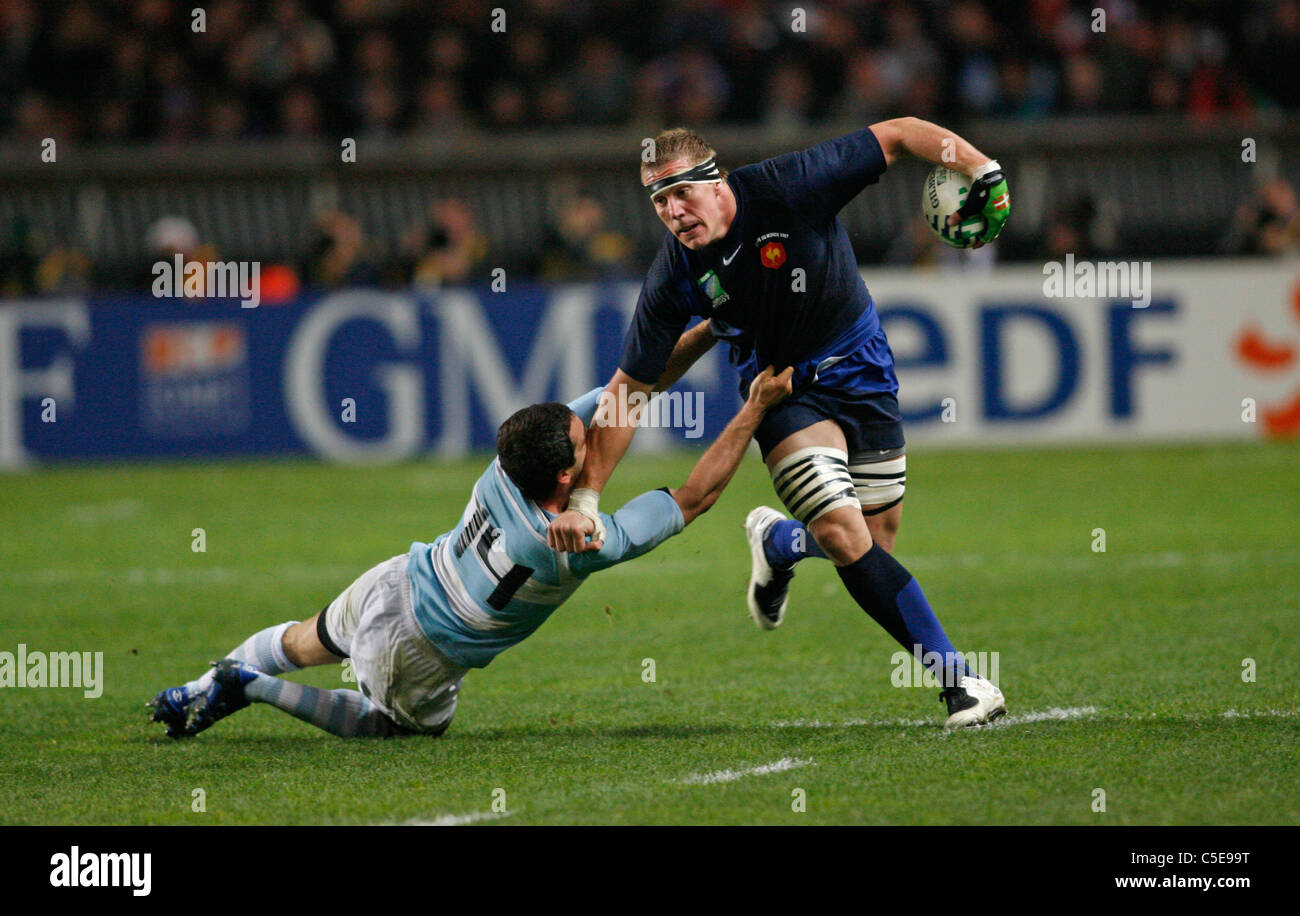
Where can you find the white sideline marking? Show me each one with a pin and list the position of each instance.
(780, 766)
(1261, 714)
(457, 820)
(100, 513)
(1055, 713)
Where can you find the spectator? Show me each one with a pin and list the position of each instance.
(114, 71)
(438, 109)
(446, 249)
(1080, 226)
(1268, 223)
(580, 246)
(339, 255)
(167, 237)
(300, 115)
(603, 73)
(789, 99)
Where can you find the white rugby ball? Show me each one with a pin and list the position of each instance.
(944, 193)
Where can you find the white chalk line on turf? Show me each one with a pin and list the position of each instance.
(779, 766)
(457, 820)
(1055, 713)
(103, 512)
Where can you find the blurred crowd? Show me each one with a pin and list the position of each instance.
(445, 248)
(99, 70)
(171, 74)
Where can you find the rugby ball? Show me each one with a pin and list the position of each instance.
(944, 193)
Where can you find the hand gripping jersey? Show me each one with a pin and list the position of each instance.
(492, 580)
(747, 283)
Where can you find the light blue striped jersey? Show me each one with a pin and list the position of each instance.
(492, 580)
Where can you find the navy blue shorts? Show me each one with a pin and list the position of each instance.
(870, 419)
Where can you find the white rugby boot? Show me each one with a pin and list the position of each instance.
(769, 586)
(974, 701)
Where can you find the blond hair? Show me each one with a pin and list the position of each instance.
(678, 143)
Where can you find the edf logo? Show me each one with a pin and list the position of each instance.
(1028, 338)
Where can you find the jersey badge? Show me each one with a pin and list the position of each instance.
(772, 255)
(712, 287)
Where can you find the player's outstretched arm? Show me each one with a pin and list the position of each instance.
(715, 468)
(988, 195)
(608, 438)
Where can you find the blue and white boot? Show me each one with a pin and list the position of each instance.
(171, 706)
(225, 695)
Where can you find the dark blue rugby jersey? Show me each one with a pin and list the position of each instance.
(786, 218)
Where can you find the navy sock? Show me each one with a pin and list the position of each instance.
(889, 593)
(787, 542)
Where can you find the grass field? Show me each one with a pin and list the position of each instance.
(1122, 669)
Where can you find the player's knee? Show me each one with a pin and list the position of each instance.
(842, 536)
(303, 647)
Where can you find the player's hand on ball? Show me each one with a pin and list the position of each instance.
(568, 531)
(989, 197)
(769, 389)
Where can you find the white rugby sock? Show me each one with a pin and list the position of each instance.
(265, 649)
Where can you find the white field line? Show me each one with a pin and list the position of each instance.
(780, 766)
(100, 513)
(457, 820)
(1053, 714)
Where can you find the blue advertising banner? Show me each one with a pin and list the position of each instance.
(358, 375)
(370, 375)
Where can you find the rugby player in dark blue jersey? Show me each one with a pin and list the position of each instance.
(760, 255)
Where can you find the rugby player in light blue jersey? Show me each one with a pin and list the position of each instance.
(761, 256)
(414, 625)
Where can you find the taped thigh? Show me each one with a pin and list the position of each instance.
(879, 478)
(812, 481)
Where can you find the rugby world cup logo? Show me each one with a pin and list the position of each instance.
(1264, 356)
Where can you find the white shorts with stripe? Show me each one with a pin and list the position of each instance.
(397, 668)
